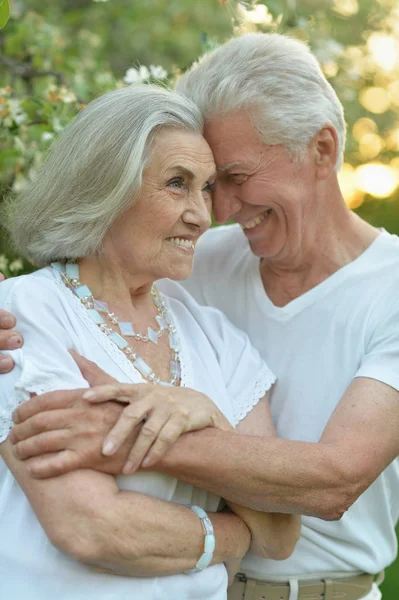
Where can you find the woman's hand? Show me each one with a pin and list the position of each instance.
(165, 414)
(168, 413)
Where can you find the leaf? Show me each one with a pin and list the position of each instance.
(4, 13)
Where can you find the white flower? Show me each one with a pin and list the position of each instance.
(3, 262)
(133, 75)
(16, 265)
(47, 136)
(158, 72)
(144, 73)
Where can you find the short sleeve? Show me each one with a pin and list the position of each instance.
(246, 376)
(381, 358)
(44, 363)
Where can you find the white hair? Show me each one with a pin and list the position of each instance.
(277, 79)
(94, 172)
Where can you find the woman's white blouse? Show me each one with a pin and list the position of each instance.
(217, 359)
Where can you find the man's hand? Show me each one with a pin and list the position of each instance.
(60, 432)
(9, 340)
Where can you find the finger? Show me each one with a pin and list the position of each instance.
(171, 431)
(6, 364)
(148, 434)
(54, 420)
(90, 371)
(50, 441)
(2, 278)
(53, 465)
(10, 340)
(130, 418)
(112, 391)
(45, 402)
(7, 320)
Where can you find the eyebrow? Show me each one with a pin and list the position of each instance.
(185, 171)
(227, 167)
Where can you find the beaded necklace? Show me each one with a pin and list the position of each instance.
(70, 276)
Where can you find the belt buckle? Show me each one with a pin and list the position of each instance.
(242, 578)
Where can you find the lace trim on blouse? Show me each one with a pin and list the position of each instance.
(244, 403)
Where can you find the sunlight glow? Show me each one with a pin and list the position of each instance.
(347, 182)
(259, 15)
(375, 99)
(377, 179)
(384, 49)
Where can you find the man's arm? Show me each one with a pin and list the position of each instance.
(321, 479)
(85, 515)
(269, 474)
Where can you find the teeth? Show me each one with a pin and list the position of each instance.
(182, 242)
(256, 221)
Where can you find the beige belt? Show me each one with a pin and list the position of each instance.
(350, 588)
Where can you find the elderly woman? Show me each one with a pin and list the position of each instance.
(121, 203)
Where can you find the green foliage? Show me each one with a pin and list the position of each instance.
(4, 12)
(56, 57)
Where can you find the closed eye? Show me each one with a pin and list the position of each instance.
(208, 187)
(237, 178)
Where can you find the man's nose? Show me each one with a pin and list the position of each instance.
(225, 203)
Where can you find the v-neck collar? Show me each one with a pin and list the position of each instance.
(298, 304)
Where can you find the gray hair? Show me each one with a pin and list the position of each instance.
(277, 79)
(94, 172)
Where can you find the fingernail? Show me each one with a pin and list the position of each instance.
(128, 468)
(89, 395)
(146, 462)
(6, 321)
(15, 417)
(14, 342)
(5, 361)
(108, 448)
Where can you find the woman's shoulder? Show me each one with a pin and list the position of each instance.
(31, 291)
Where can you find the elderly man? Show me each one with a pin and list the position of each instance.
(317, 290)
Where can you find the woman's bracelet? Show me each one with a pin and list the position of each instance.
(209, 541)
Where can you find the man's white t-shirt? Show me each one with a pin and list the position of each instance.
(346, 327)
(216, 359)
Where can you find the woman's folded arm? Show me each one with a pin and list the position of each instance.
(127, 533)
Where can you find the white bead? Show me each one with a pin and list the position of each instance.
(142, 367)
(83, 291)
(126, 328)
(161, 322)
(118, 340)
(99, 305)
(152, 335)
(72, 271)
(95, 316)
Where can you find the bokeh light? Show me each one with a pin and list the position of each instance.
(384, 50)
(377, 179)
(375, 99)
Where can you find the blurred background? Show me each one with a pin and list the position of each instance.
(56, 57)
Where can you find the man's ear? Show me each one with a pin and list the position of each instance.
(325, 148)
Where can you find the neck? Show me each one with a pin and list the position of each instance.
(336, 236)
(109, 281)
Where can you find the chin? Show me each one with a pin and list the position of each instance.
(266, 251)
(177, 274)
